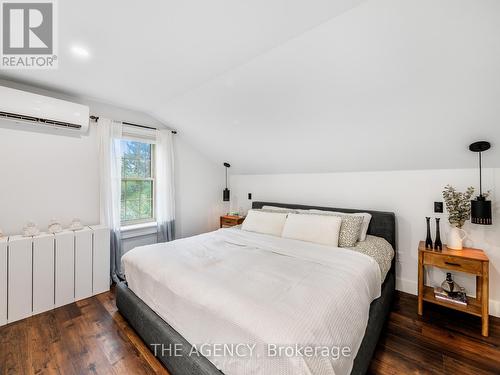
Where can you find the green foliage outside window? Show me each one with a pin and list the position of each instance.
(137, 188)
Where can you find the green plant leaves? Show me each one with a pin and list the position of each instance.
(457, 205)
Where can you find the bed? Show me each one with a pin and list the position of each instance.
(155, 325)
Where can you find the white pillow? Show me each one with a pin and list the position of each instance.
(364, 227)
(264, 222)
(320, 229)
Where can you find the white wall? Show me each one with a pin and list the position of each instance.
(198, 191)
(409, 194)
(52, 175)
(45, 176)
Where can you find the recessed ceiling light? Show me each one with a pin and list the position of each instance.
(80, 51)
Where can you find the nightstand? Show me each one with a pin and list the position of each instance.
(473, 261)
(230, 221)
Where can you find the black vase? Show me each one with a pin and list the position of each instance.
(438, 245)
(428, 239)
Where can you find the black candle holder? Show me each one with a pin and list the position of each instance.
(428, 239)
(438, 245)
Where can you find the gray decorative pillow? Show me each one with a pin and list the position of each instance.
(278, 209)
(349, 230)
(380, 250)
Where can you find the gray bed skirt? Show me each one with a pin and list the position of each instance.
(154, 330)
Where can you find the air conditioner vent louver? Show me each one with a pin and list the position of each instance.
(13, 116)
(25, 107)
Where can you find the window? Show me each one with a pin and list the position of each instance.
(138, 183)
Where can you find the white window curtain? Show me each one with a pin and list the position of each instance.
(109, 135)
(164, 192)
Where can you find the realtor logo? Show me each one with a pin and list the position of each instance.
(28, 35)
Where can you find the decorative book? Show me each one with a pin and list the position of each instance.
(459, 298)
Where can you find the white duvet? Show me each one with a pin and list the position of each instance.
(269, 293)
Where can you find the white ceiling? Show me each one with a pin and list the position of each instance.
(297, 86)
(144, 53)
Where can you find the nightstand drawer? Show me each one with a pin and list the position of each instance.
(224, 221)
(453, 263)
(230, 221)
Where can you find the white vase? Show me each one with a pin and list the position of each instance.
(456, 237)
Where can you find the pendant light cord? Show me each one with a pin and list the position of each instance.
(480, 175)
(226, 177)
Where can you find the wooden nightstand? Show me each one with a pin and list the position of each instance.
(467, 260)
(230, 221)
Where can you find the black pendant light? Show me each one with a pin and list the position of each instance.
(225, 193)
(480, 207)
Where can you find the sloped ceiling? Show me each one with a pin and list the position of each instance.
(298, 86)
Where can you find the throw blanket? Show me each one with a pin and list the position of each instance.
(259, 304)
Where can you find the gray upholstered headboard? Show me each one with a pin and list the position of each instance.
(383, 224)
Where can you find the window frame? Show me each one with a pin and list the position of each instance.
(126, 223)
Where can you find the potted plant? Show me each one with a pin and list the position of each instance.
(458, 206)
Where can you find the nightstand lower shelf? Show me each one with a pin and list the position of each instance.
(473, 307)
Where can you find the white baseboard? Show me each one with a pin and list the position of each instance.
(407, 286)
(495, 308)
(410, 286)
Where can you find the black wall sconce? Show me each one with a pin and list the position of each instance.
(480, 207)
(225, 193)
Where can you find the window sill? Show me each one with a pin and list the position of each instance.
(137, 230)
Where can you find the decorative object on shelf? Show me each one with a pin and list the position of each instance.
(449, 285)
(76, 224)
(30, 229)
(55, 226)
(225, 193)
(438, 245)
(428, 239)
(480, 207)
(458, 205)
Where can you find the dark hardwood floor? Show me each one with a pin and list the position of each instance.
(86, 337)
(442, 341)
(91, 337)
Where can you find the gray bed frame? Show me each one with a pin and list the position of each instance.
(154, 330)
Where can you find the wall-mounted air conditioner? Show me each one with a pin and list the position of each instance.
(24, 107)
